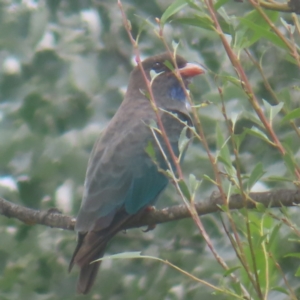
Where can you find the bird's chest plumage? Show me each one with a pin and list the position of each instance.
(177, 93)
(128, 137)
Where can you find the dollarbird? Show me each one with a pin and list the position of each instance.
(122, 179)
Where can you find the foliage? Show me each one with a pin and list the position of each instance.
(64, 70)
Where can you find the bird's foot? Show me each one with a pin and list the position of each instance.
(150, 208)
(150, 227)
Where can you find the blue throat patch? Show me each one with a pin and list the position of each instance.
(177, 93)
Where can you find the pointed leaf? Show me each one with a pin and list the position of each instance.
(274, 235)
(224, 154)
(260, 207)
(184, 189)
(280, 289)
(294, 114)
(183, 141)
(150, 150)
(272, 110)
(262, 32)
(231, 270)
(278, 178)
(258, 133)
(172, 10)
(197, 21)
(238, 139)
(255, 175)
(220, 3)
(297, 255)
(276, 109)
(193, 183)
(297, 274)
(289, 162)
(123, 255)
(209, 179)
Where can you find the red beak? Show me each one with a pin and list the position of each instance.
(191, 70)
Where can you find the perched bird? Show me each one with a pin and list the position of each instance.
(122, 179)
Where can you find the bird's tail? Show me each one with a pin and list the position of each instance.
(90, 247)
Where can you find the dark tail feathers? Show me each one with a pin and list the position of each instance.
(90, 247)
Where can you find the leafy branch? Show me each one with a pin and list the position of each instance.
(291, 6)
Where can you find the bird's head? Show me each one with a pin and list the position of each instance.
(166, 87)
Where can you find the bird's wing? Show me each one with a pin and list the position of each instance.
(119, 173)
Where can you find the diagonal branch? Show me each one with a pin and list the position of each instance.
(52, 218)
(288, 7)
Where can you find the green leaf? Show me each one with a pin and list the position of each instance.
(260, 207)
(272, 110)
(255, 175)
(259, 28)
(251, 117)
(231, 270)
(294, 114)
(280, 289)
(150, 150)
(183, 141)
(258, 133)
(124, 255)
(296, 254)
(278, 178)
(224, 154)
(172, 10)
(262, 33)
(194, 6)
(197, 21)
(284, 211)
(238, 139)
(294, 240)
(169, 65)
(193, 183)
(129, 255)
(297, 274)
(274, 235)
(223, 207)
(209, 179)
(289, 162)
(227, 78)
(275, 110)
(268, 222)
(220, 3)
(184, 189)
(262, 239)
(285, 95)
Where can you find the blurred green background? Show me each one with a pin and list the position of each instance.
(64, 67)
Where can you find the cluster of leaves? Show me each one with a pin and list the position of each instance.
(64, 67)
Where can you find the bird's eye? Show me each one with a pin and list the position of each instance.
(157, 66)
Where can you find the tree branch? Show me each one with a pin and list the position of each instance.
(291, 6)
(52, 218)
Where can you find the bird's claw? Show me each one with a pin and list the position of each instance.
(150, 227)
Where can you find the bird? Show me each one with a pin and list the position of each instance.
(122, 179)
